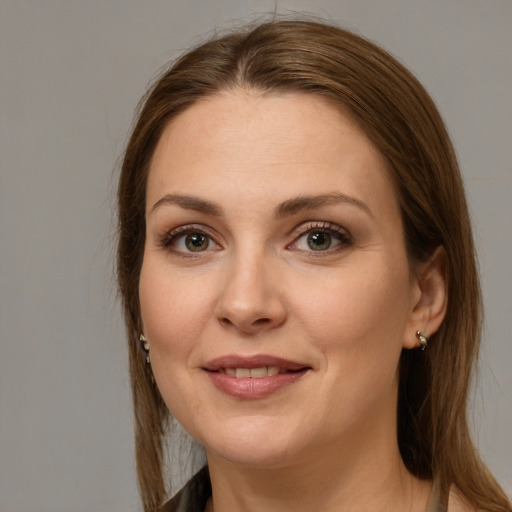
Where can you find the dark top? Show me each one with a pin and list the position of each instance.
(194, 496)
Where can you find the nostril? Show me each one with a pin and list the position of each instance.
(255, 324)
(261, 321)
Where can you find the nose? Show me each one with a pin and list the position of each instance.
(250, 300)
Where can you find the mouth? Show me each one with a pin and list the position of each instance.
(257, 366)
(254, 373)
(253, 377)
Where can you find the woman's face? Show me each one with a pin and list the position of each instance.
(275, 289)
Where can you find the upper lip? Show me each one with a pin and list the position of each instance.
(256, 361)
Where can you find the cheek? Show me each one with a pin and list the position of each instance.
(173, 314)
(357, 326)
(174, 310)
(357, 319)
(356, 304)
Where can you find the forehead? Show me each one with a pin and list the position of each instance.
(265, 146)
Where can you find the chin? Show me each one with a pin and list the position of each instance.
(254, 443)
(252, 457)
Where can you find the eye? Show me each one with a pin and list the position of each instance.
(319, 240)
(188, 239)
(321, 237)
(193, 242)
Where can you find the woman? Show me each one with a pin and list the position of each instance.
(296, 259)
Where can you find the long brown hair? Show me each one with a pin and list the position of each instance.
(400, 118)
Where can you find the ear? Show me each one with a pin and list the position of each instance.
(429, 295)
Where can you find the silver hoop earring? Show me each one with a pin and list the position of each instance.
(422, 339)
(145, 346)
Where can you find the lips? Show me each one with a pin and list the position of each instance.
(253, 377)
(254, 373)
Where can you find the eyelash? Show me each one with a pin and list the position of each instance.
(170, 239)
(335, 231)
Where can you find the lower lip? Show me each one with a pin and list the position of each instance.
(251, 387)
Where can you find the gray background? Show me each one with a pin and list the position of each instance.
(72, 72)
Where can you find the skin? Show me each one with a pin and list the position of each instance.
(327, 441)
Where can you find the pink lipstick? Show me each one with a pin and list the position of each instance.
(253, 377)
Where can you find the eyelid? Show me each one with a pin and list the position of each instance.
(320, 225)
(343, 234)
(168, 239)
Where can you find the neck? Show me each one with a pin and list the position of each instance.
(335, 478)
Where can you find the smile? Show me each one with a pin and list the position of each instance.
(254, 373)
(253, 377)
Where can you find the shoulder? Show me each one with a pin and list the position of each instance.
(193, 497)
(457, 503)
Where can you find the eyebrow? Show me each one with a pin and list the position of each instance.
(287, 208)
(295, 205)
(189, 203)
